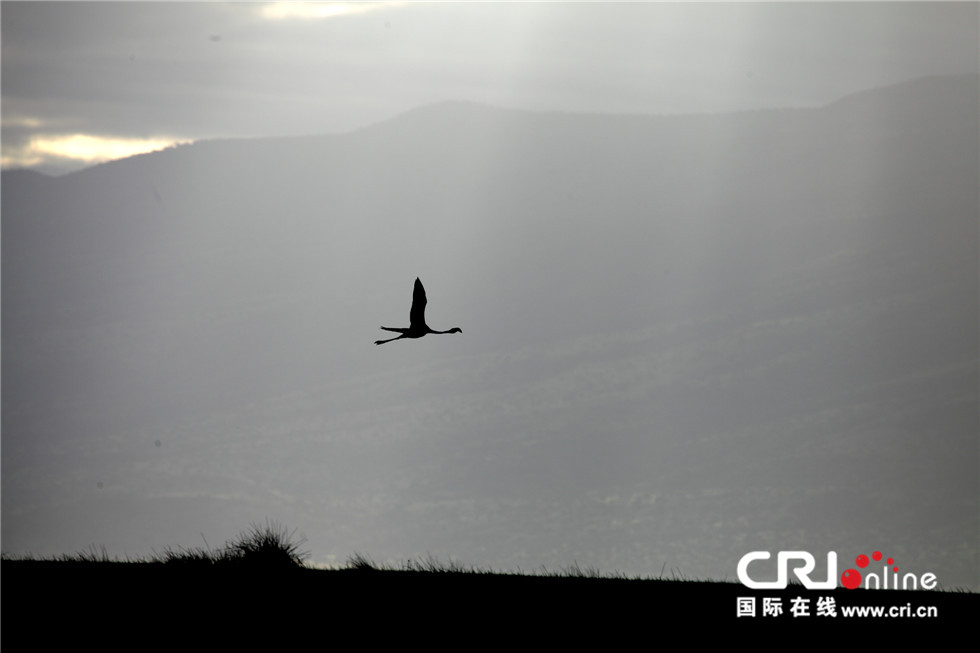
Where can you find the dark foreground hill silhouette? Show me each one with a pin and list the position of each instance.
(193, 604)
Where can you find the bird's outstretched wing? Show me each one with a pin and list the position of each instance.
(417, 315)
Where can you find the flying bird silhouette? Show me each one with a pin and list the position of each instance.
(418, 326)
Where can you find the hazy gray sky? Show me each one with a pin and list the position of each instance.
(83, 81)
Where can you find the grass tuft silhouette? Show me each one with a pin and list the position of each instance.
(92, 554)
(268, 546)
(361, 562)
(188, 557)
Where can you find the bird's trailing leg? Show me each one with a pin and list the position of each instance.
(396, 330)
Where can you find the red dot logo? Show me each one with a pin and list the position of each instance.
(851, 578)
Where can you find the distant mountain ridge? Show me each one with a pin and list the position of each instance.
(923, 90)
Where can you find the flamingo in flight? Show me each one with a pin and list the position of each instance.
(418, 326)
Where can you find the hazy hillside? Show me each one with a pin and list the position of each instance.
(684, 338)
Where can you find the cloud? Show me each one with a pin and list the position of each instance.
(14, 122)
(320, 10)
(85, 148)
